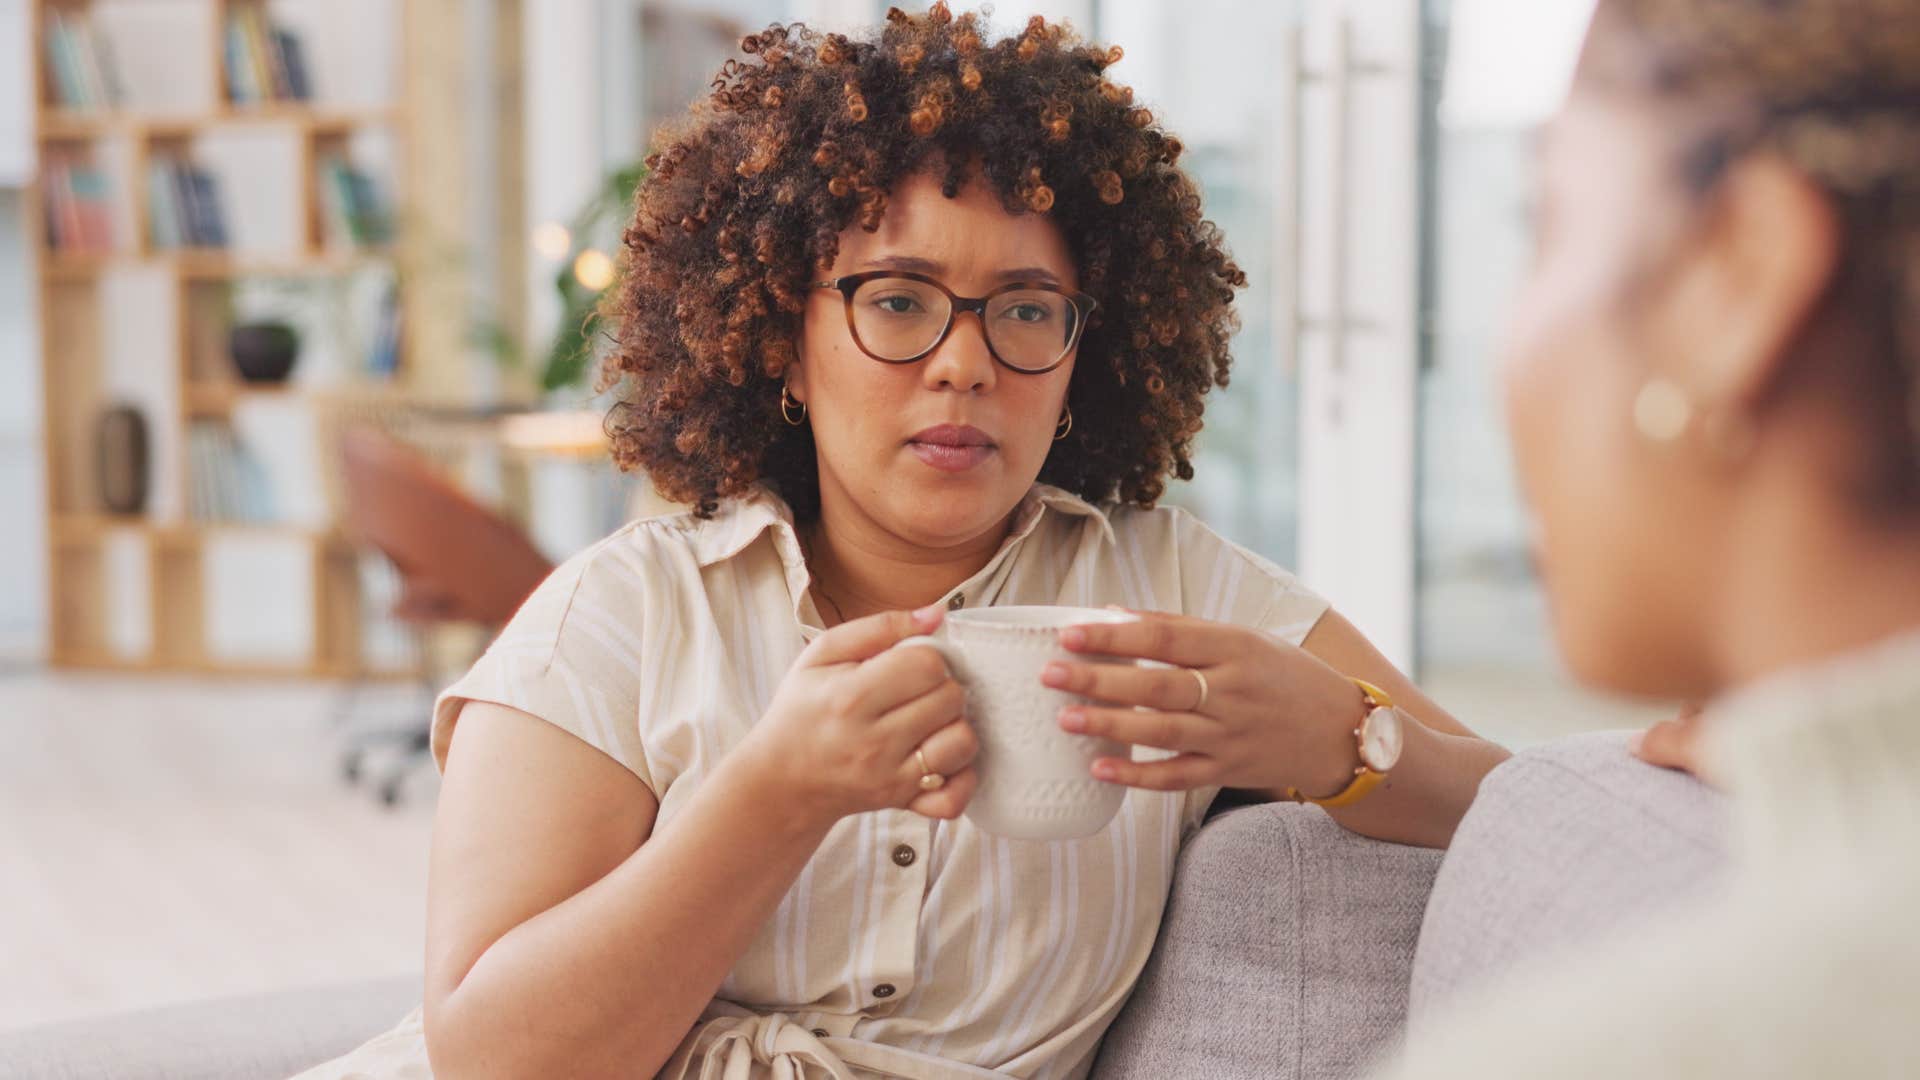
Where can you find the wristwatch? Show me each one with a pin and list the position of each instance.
(1381, 735)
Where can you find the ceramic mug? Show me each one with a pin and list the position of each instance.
(1035, 782)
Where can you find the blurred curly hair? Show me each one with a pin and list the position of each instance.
(747, 195)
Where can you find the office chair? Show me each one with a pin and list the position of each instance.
(457, 562)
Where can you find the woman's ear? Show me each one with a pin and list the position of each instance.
(1767, 259)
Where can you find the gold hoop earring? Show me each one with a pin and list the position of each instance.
(1065, 425)
(1662, 411)
(787, 402)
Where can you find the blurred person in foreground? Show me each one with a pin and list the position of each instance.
(1714, 388)
(913, 321)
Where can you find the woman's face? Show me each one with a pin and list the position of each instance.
(937, 452)
(1629, 531)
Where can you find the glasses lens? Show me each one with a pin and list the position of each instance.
(899, 318)
(1031, 329)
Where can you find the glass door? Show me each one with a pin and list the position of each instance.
(1485, 645)
(1302, 125)
(1236, 123)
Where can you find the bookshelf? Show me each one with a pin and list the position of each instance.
(226, 163)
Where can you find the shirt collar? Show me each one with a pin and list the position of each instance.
(742, 520)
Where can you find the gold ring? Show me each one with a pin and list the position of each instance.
(1202, 680)
(929, 780)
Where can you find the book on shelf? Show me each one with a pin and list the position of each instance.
(383, 355)
(183, 206)
(81, 70)
(264, 63)
(354, 213)
(79, 217)
(228, 483)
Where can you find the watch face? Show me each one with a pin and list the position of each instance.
(1381, 737)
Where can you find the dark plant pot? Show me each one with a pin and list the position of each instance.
(121, 457)
(264, 352)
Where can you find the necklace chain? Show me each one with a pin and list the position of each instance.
(819, 589)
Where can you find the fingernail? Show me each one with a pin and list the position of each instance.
(1054, 674)
(1635, 740)
(1073, 637)
(1103, 770)
(928, 617)
(1073, 720)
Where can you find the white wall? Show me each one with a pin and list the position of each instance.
(22, 545)
(22, 525)
(16, 115)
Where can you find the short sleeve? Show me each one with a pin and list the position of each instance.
(1224, 582)
(570, 656)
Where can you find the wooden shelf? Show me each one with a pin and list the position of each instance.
(76, 266)
(216, 264)
(81, 528)
(72, 125)
(102, 660)
(90, 527)
(90, 556)
(218, 399)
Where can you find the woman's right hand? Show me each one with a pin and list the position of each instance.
(841, 734)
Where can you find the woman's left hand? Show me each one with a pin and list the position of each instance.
(1274, 716)
(1675, 744)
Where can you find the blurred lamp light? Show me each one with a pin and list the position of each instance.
(552, 241)
(581, 433)
(593, 269)
(1509, 63)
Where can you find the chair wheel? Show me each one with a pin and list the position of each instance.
(390, 793)
(350, 768)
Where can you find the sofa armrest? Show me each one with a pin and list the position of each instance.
(1564, 843)
(1285, 951)
(243, 1038)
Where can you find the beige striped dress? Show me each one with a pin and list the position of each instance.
(907, 947)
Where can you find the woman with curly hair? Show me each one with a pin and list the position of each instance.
(912, 323)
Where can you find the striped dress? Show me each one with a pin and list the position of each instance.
(907, 947)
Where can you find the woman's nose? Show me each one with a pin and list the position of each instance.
(962, 361)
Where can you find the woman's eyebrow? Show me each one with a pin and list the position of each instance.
(916, 265)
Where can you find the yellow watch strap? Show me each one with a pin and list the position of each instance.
(1364, 779)
(1376, 697)
(1362, 786)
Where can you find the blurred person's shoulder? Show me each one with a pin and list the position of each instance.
(1813, 973)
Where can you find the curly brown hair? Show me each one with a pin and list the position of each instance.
(746, 198)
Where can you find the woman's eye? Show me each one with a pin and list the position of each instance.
(1028, 313)
(897, 305)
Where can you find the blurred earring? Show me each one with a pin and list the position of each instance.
(1065, 425)
(1730, 434)
(1662, 411)
(787, 403)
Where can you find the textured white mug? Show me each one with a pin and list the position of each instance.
(1035, 782)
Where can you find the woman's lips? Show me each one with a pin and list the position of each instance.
(949, 448)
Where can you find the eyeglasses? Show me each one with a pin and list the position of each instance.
(898, 317)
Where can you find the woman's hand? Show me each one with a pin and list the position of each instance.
(1275, 716)
(1674, 744)
(841, 734)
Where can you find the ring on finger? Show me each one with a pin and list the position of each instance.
(929, 780)
(1202, 680)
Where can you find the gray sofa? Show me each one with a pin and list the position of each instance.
(1291, 948)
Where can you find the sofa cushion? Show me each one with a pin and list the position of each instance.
(243, 1038)
(1564, 843)
(1285, 951)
